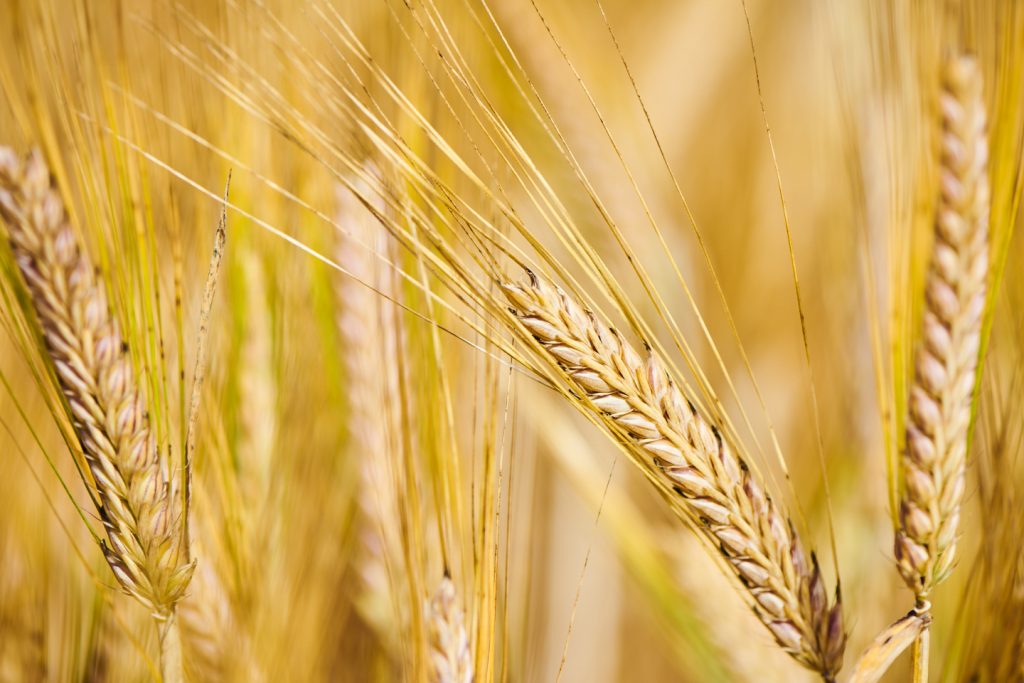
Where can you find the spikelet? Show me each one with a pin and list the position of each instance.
(715, 488)
(941, 396)
(450, 654)
(142, 518)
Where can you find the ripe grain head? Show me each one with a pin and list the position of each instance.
(941, 396)
(140, 512)
(714, 489)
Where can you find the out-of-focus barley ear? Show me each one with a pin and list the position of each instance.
(207, 626)
(23, 617)
(451, 656)
(714, 488)
(941, 396)
(370, 341)
(256, 445)
(137, 504)
(988, 641)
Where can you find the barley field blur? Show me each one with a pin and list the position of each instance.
(511, 340)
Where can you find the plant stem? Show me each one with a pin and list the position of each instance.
(171, 664)
(921, 657)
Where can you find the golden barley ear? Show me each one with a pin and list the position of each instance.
(713, 486)
(141, 516)
(371, 339)
(941, 395)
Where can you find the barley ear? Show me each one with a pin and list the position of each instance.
(711, 485)
(941, 395)
(372, 338)
(141, 516)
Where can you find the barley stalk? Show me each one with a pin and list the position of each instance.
(714, 487)
(136, 503)
(450, 654)
(941, 396)
(171, 664)
(889, 645)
